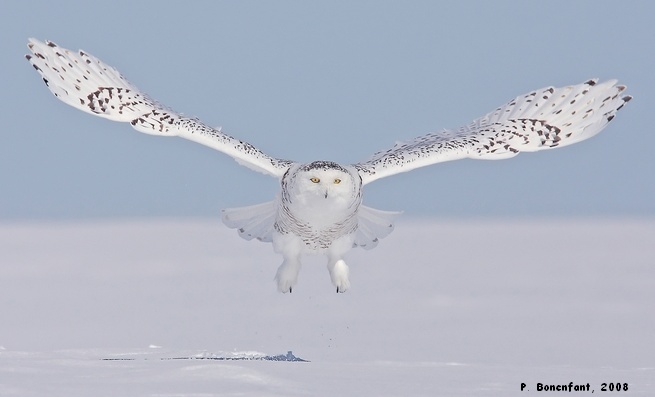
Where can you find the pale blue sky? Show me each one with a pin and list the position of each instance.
(333, 80)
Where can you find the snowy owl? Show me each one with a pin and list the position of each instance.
(318, 209)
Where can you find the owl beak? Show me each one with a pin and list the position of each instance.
(326, 194)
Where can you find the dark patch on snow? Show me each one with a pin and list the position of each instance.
(280, 357)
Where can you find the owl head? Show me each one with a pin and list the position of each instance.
(325, 183)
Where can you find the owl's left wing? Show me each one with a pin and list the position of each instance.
(542, 119)
(88, 84)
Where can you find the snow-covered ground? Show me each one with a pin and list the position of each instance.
(440, 307)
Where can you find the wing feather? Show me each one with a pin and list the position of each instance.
(542, 119)
(88, 84)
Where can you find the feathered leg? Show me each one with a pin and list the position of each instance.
(287, 273)
(339, 274)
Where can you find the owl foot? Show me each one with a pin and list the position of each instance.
(287, 276)
(285, 285)
(339, 275)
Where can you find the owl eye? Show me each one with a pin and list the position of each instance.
(315, 180)
(337, 181)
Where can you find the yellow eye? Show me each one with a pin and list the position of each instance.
(337, 181)
(315, 180)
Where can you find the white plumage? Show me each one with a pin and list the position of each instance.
(319, 206)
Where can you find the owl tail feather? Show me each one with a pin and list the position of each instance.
(373, 225)
(255, 221)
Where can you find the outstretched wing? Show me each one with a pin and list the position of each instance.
(90, 85)
(542, 119)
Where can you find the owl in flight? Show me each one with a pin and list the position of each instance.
(318, 209)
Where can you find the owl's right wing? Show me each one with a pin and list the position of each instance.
(88, 84)
(542, 119)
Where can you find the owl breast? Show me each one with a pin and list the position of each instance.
(318, 204)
